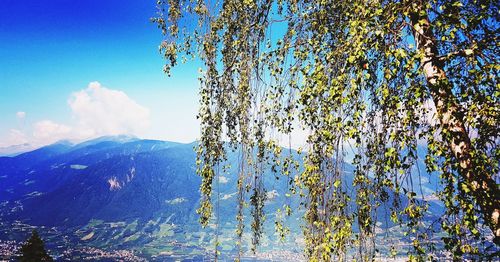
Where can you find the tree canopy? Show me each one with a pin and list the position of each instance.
(383, 81)
(33, 250)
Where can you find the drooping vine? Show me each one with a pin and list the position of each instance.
(377, 83)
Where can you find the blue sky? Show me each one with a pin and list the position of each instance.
(52, 53)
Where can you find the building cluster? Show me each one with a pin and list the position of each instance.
(96, 254)
(8, 249)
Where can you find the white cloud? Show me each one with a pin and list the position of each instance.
(96, 111)
(21, 115)
(46, 132)
(14, 137)
(102, 111)
(228, 196)
(223, 179)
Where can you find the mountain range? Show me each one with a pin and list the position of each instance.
(129, 199)
(119, 193)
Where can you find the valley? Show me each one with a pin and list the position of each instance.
(123, 198)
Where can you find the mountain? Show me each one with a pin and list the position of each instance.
(15, 149)
(132, 198)
(118, 193)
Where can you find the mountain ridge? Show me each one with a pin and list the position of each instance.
(140, 195)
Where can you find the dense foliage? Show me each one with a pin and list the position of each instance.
(377, 80)
(33, 250)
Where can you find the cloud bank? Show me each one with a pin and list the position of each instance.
(102, 111)
(96, 111)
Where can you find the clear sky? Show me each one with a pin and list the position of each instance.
(80, 69)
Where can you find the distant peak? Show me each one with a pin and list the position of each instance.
(116, 138)
(65, 142)
(14, 150)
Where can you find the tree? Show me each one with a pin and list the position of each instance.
(33, 250)
(382, 80)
